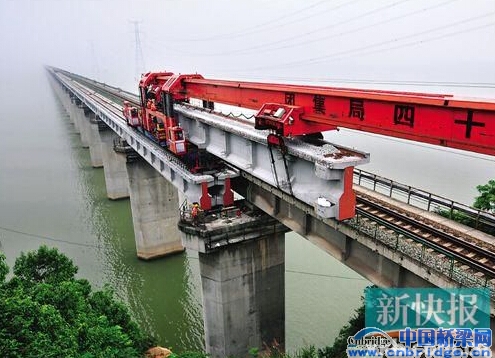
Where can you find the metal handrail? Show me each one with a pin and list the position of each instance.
(481, 219)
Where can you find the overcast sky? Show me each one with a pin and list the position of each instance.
(425, 40)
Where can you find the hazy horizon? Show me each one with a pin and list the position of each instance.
(383, 40)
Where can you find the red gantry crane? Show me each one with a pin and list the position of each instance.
(445, 120)
(293, 110)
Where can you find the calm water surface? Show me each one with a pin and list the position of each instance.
(50, 194)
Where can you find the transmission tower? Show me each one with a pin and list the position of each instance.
(139, 58)
(96, 67)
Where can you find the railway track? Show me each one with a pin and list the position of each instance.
(116, 109)
(467, 253)
(478, 259)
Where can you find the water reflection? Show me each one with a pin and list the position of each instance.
(162, 293)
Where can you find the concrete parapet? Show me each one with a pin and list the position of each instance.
(114, 164)
(243, 286)
(155, 211)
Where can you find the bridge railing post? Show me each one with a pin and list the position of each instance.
(429, 202)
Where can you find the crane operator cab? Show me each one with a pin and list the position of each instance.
(177, 142)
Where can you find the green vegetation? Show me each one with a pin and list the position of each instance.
(189, 355)
(46, 312)
(337, 350)
(339, 347)
(486, 199)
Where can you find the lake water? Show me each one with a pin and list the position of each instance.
(50, 194)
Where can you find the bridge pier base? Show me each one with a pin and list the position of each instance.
(155, 212)
(114, 165)
(243, 285)
(94, 142)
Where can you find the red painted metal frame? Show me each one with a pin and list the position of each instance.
(445, 120)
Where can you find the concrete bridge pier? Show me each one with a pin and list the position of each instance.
(64, 98)
(114, 166)
(155, 211)
(243, 285)
(83, 117)
(72, 114)
(94, 142)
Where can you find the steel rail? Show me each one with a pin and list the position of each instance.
(486, 268)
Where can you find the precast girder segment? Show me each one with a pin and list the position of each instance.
(196, 187)
(319, 175)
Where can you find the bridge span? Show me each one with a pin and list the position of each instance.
(390, 242)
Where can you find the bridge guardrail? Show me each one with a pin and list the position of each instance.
(422, 199)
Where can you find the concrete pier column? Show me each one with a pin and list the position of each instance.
(155, 212)
(114, 166)
(243, 284)
(94, 142)
(244, 296)
(73, 114)
(83, 127)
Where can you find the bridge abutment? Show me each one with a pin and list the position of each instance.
(155, 212)
(114, 165)
(243, 284)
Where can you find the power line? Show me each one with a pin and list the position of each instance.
(416, 144)
(318, 13)
(40, 237)
(310, 273)
(385, 21)
(369, 81)
(359, 50)
(326, 275)
(96, 67)
(257, 27)
(305, 34)
(290, 39)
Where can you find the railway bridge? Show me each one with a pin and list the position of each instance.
(392, 235)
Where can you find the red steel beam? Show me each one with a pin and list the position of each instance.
(445, 120)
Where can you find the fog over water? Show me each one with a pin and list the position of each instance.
(50, 194)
